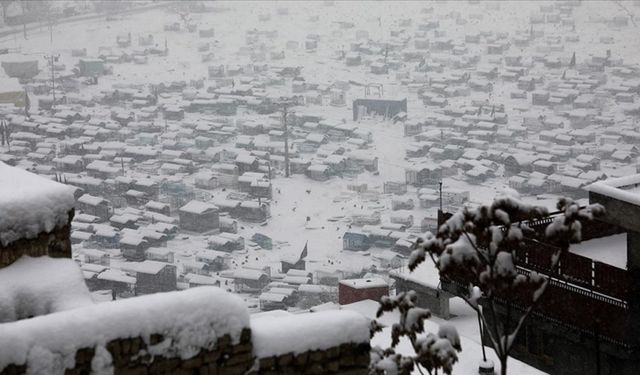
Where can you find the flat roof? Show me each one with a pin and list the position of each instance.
(625, 188)
(365, 283)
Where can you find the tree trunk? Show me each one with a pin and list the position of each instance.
(503, 365)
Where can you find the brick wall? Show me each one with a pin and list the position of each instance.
(130, 356)
(345, 359)
(347, 294)
(55, 244)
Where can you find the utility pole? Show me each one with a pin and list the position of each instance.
(440, 196)
(51, 59)
(286, 141)
(53, 83)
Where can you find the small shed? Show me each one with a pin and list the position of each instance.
(354, 290)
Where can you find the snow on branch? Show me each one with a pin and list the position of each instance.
(432, 352)
(476, 248)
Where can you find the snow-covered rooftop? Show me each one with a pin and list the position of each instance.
(626, 189)
(197, 207)
(31, 204)
(365, 283)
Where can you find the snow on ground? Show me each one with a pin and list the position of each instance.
(31, 204)
(611, 250)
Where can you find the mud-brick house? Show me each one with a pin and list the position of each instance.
(253, 211)
(246, 163)
(424, 174)
(206, 180)
(355, 241)
(318, 172)
(394, 187)
(199, 217)
(160, 254)
(378, 106)
(250, 280)
(224, 243)
(125, 220)
(70, 163)
(95, 256)
(133, 247)
(519, 162)
(215, 260)
(96, 206)
(354, 290)
(152, 276)
(159, 207)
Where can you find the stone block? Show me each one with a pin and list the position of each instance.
(363, 371)
(317, 356)
(239, 358)
(113, 347)
(315, 368)
(234, 370)
(192, 363)
(245, 336)
(285, 360)
(333, 366)
(224, 342)
(347, 360)
(268, 362)
(155, 339)
(125, 346)
(302, 359)
(84, 355)
(140, 370)
(136, 344)
(333, 352)
(210, 356)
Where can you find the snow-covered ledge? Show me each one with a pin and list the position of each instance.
(35, 215)
(621, 199)
(320, 343)
(626, 189)
(38, 286)
(197, 328)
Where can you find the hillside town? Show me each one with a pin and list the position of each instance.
(296, 153)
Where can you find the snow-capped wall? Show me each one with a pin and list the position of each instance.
(30, 204)
(328, 342)
(204, 330)
(304, 332)
(187, 323)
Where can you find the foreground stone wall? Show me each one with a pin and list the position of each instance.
(345, 359)
(56, 244)
(202, 330)
(131, 356)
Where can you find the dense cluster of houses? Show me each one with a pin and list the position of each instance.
(169, 159)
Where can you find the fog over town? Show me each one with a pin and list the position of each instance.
(241, 168)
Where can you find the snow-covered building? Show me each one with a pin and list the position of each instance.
(354, 290)
(199, 216)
